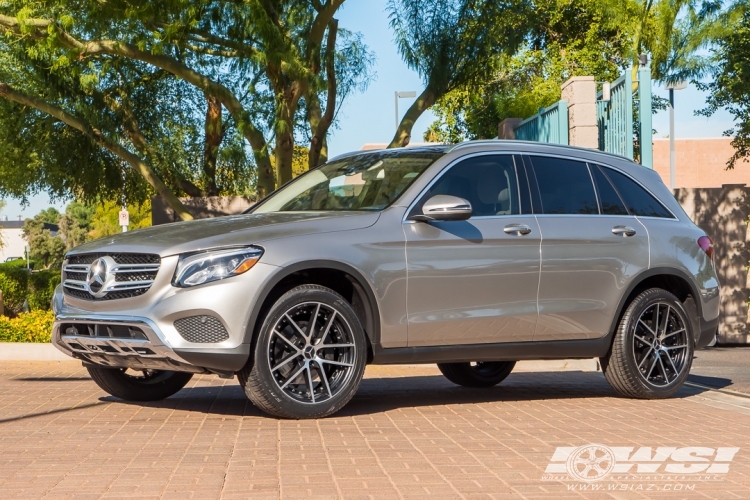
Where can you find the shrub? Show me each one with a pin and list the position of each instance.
(34, 326)
(41, 288)
(14, 285)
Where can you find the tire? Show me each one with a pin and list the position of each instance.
(482, 374)
(290, 374)
(648, 363)
(152, 385)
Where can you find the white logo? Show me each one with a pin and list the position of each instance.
(595, 462)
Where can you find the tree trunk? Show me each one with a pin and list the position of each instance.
(214, 137)
(403, 135)
(284, 153)
(266, 174)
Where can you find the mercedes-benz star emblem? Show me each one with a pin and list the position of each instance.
(97, 277)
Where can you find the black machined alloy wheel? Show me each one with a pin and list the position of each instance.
(309, 357)
(660, 343)
(478, 374)
(653, 347)
(138, 385)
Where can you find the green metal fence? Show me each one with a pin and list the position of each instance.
(615, 117)
(548, 125)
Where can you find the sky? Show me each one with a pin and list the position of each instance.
(370, 116)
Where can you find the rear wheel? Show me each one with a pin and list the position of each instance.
(479, 374)
(653, 347)
(309, 357)
(138, 385)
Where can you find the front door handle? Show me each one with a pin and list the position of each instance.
(518, 229)
(623, 231)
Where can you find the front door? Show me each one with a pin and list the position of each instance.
(475, 281)
(591, 248)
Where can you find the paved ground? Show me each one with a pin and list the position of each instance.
(415, 436)
(723, 367)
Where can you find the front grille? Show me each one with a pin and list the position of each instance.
(128, 275)
(201, 329)
(98, 330)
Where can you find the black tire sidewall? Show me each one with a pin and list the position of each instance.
(282, 404)
(117, 383)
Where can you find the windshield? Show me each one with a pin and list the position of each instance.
(370, 181)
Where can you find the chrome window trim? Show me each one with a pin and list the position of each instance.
(453, 163)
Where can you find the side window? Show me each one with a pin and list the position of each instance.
(638, 200)
(610, 201)
(564, 186)
(487, 182)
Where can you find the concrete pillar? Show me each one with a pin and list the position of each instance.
(580, 92)
(505, 128)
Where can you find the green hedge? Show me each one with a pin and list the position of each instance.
(18, 285)
(34, 326)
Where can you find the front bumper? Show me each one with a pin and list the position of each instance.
(140, 332)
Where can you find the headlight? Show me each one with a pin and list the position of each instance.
(196, 269)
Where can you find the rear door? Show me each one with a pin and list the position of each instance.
(475, 281)
(591, 248)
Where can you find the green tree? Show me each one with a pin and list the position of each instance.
(75, 224)
(730, 88)
(267, 73)
(105, 218)
(452, 44)
(46, 249)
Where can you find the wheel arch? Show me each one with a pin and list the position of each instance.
(672, 280)
(342, 278)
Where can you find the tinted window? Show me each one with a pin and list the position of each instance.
(610, 201)
(637, 199)
(564, 186)
(487, 182)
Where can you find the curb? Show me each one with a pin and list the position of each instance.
(20, 351)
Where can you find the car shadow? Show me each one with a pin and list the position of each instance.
(713, 382)
(377, 395)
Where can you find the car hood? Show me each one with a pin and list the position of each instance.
(233, 230)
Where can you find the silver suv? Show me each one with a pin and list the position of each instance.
(472, 256)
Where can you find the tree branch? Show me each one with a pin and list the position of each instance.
(96, 135)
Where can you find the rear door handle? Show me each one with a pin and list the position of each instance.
(623, 231)
(519, 229)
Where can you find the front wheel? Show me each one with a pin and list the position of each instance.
(480, 374)
(653, 348)
(135, 385)
(309, 356)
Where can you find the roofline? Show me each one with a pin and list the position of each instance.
(480, 142)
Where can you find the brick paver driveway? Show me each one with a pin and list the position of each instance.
(416, 436)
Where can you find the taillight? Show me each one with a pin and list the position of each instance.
(707, 246)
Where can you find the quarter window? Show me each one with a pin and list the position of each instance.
(564, 186)
(637, 199)
(488, 182)
(610, 201)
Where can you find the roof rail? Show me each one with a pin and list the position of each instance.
(467, 144)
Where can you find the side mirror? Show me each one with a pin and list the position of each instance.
(443, 207)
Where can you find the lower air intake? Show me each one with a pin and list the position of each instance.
(201, 329)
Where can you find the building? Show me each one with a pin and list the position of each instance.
(700, 163)
(14, 243)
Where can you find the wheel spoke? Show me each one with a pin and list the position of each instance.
(296, 374)
(311, 326)
(656, 319)
(295, 325)
(324, 378)
(643, 340)
(327, 327)
(647, 327)
(291, 344)
(673, 366)
(653, 365)
(331, 362)
(310, 385)
(667, 335)
(331, 346)
(683, 346)
(650, 350)
(666, 321)
(286, 361)
(663, 370)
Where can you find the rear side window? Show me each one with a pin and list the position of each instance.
(564, 186)
(611, 203)
(638, 200)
